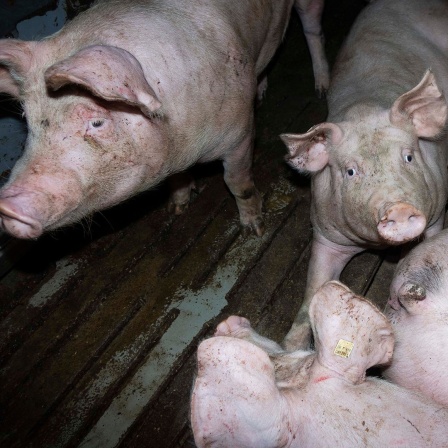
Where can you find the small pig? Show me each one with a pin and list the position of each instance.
(130, 92)
(378, 165)
(242, 397)
(418, 310)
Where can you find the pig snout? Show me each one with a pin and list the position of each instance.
(16, 220)
(400, 223)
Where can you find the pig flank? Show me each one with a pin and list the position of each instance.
(378, 164)
(123, 96)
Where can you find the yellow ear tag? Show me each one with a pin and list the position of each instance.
(343, 348)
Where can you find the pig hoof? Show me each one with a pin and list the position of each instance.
(257, 227)
(177, 209)
(235, 326)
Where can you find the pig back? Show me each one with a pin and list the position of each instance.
(389, 48)
(201, 59)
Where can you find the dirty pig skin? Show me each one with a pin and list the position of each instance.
(250, 393)
(378, 165)
(418, 310)
(131, 92)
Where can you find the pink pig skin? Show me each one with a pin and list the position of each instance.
(131, 92)
(418, 310)
(378, 164)
(249, 393)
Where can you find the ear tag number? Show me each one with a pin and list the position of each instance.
(343, 348)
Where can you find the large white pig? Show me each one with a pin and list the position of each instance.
(418, 310)
(130, 92)
(242, 397)
(378, 165)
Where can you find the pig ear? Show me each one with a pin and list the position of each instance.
(408, 295)
(350, 333)
(424, 105)
(15, 60)
(108, 72)
(309, 152)
(411, 291)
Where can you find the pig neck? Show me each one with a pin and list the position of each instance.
(347, 372)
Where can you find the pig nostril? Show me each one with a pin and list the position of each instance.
(400, 223)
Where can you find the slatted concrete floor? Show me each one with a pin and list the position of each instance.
(100, 322)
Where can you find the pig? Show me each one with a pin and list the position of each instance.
(250, 393)
(418, 310)
(131, 92)
(378, 165)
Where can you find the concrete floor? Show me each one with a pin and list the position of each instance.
(100, 322)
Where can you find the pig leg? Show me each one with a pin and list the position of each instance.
(181, 185)
(291, 369)
(239, 179)
(327, 262)
(235, 401)
(239, 327)
(310, 12)
(261, 89)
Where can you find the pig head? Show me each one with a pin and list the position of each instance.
(249, 394)
(129, 93)
(418, 310)
(75, 162)
(378, 166)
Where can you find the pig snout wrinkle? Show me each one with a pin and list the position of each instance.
(400, 223)
(17, 223)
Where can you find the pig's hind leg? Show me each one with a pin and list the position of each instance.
(310, 12)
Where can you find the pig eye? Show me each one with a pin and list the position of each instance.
(408, 158)
(351, 172)
(97, 123)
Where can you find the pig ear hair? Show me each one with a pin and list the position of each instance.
(15, 59)
(308, 152)
(424, 105)
(110, 73)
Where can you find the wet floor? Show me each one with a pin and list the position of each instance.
(100, 322)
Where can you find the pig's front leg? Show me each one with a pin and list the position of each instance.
(239, 327)
(327, 262)
(310, 12)
(181, 185)
(238, 177)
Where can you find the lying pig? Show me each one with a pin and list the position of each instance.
(243, 397)
(418, 310)
(378, 165)
(131, 92)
